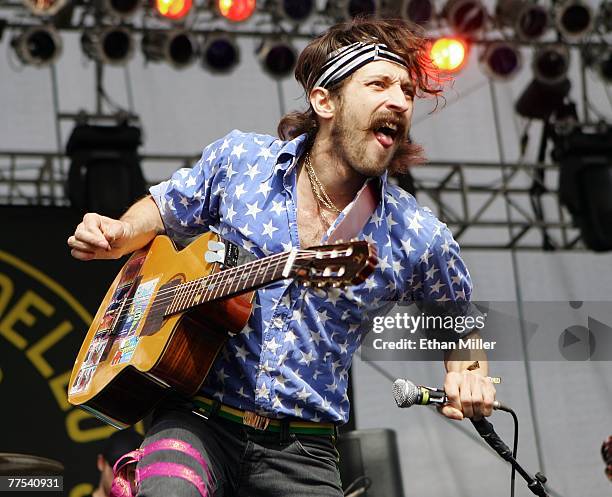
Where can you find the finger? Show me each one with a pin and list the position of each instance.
(476, 386)
(112, 229)
(92, 227)
(94, 240)
(489, 394)
(82, 255)
(465, 396)
(451, 388)
(488, 399)
(73, 243)
(87, 255)
(450, 412)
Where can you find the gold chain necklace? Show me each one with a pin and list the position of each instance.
(317, 186)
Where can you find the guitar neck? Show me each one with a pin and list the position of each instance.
(228, 282)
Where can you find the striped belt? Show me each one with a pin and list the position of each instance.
(208, 407)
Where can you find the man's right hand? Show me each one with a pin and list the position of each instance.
(99, 237)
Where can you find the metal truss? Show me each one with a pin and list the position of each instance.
(265, 22)
(486, 205)
(498, 206)
(40, 178)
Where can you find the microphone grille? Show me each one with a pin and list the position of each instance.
(405, 393)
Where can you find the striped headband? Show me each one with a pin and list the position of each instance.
(346, 60)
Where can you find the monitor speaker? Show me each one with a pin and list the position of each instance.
(370, 456)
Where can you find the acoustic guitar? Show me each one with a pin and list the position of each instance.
(168, 314)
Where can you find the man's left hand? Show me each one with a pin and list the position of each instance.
(470, 395)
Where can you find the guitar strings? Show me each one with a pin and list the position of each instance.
(225, 275)
(221, 276)
(217, 281)
(220, 279)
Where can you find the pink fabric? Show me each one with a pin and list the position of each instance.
(175, 470)
(358, 215)
(121, 485)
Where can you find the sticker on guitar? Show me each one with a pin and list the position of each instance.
(116, 327)
(135, 309)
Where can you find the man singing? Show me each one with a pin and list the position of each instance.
(264, 421)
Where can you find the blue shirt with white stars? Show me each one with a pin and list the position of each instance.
(293, 357)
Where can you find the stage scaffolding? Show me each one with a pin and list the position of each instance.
(487, 206)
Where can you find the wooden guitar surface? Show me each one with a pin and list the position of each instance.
(168, 313)
(132, 355)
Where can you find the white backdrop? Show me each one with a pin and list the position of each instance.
(182, 111)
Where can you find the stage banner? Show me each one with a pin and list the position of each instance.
(47, 300)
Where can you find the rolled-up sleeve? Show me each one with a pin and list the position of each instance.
(189, 201)
(441, 284)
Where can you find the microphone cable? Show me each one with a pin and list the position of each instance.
(514, 445)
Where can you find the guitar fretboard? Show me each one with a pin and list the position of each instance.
(227, 283)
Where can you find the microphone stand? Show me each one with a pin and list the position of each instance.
(486, 431)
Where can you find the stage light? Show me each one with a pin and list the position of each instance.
(501, 60)
(551, 63)
(277, 58)
(604, 65)
(173, 10)
(546, 93)
(295, 10)
(574, 19)
(529, 20)
(122, 9)
(177, 48)
(465, 17)
(418, 11)
(44, 7)
(104, 174)
(599, 59)
(236, 10)
(220, 53)
(361, 8)
(604, 17)
(584, 155)
(344, 10)
(448, 54)
(38, 46)
(540, 100)
(109, 44)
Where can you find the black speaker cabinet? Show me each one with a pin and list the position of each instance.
(371, 453)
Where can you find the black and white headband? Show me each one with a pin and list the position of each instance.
(346, 60)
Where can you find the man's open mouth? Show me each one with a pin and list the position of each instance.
(386, 133)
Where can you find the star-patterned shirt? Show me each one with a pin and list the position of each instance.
(293, 357)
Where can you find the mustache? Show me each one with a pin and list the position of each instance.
(383, 118)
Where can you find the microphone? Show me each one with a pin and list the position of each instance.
(407, 394)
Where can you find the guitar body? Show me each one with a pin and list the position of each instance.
(133, 354)
(168, 313)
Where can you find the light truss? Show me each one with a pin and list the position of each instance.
(493, 206)
(39, 178)
(486, 205)
(266, 22)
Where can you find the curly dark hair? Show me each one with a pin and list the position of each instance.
(403, 38)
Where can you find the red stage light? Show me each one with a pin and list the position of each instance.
(175, 10)
(448, 54)
(236, 10)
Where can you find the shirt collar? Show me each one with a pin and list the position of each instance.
(286, 160)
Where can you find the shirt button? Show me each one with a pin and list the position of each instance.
(278, 322)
